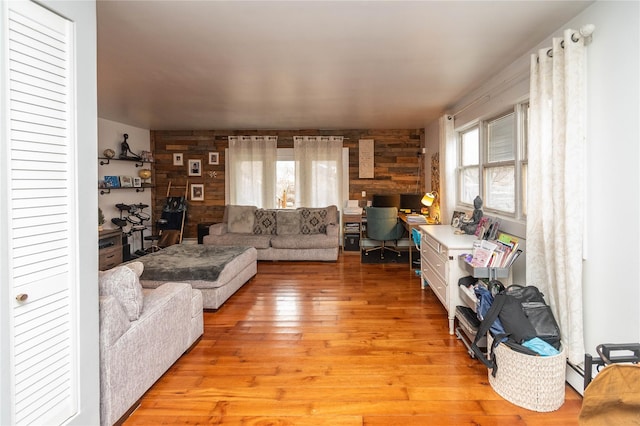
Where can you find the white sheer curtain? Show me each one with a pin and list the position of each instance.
(556, 184)
(252, 170)
(319, 177)
(448, 162)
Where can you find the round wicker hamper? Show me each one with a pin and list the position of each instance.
(533, 382)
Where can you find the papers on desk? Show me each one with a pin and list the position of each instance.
(416, 219)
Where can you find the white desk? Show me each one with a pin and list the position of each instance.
(439, 251)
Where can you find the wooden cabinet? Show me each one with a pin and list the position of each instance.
(439, 251)
(110, 248)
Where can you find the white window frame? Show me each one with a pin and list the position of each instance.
(486, 165)
(519, 111)
(461, 167)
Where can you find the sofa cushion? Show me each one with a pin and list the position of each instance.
(317, 241)
(242, 240)
(265, 222)
(313, 221)
(123, 283)
(240, 219)
(288, 222)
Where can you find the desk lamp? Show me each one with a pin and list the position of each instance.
(429, 201)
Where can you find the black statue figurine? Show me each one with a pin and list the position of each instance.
(125, 150)
(470, 227)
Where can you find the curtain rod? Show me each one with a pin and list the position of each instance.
(585, 32)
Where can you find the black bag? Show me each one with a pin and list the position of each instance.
(524, 315)
(537, 312)
(516, 324)
(543, 321)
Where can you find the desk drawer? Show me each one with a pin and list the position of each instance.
(110, 257)
(437, 261)
(436, 284)
(428, 242)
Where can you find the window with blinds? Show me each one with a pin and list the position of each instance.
(492, 162)
(499, 168)
(41, 215)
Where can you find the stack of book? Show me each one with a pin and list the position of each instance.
(352, 228)
(499, 253)
(416, 218)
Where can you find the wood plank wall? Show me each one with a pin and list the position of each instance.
(398, 166)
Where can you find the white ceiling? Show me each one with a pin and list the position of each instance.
(306, 64)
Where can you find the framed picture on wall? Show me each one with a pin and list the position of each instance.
(112, 182)
(197, 192)
(126, 181)
(214, 158)
(137, 182)
(195, 167)
(178, 160)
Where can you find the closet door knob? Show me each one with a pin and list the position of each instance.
(22, 297)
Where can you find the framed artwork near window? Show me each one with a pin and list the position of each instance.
(214, 158)
(456, 219)
(197, 192)
(195, 167)
(178, 160)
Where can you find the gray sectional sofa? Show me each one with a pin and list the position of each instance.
(280, 234)
(142, 333)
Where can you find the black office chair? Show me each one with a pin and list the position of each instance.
(383, 226)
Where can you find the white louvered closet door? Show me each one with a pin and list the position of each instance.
(41, 215)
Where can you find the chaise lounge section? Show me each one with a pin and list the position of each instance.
(218, 272)
(142, 333)
(303, 234)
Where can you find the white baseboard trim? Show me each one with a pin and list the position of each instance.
(575, 377)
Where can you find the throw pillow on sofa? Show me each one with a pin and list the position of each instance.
(265, 222)
(313, 221)
(123, 283)
(240, 219)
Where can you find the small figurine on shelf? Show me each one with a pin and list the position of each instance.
(469, 226)
(125, 150)
(100, 219)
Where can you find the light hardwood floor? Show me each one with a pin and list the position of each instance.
(333, 344)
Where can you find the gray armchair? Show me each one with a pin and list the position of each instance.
(383, 225)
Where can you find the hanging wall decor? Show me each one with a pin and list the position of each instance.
(197, 192)
(195, 167)
(365, 158)
(214, 158)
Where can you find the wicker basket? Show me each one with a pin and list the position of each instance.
(533, 382)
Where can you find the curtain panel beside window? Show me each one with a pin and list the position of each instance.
(556, 183)
(252, 170)
(318, 163)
